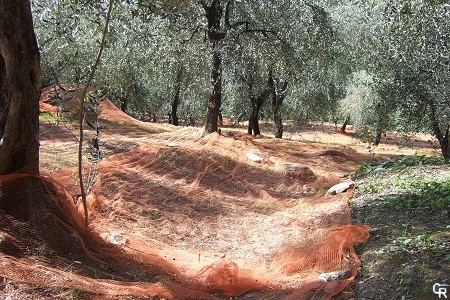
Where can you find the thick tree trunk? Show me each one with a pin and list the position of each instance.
(253, 122)
(20, 83)
(278, 124)
(215, 98)
(278, 94)
(344, 126)
(443, 138)
(444, 142)
(216, 33)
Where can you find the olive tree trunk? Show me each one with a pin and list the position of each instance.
(124, 104)
(441, 135)
(20, 83)
(344, 126)
(176, 100)
(215, 97)
(278, 89)
(253, 122)
(217, 31)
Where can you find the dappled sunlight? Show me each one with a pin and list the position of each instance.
(223, 222)
(200, 207)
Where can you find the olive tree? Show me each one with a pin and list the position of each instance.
(20, 83)
(403, 46)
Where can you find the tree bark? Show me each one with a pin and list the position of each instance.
(377, 137)
(124, 105)
(215, 97)
(278, 94)
(216, 33)
(176, 99)
(344, 126)
(20, 83)
(175, 103)
(443, 138)
(220, 118)
(253, 122)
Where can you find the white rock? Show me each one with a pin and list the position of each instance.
(254, 157)
(172, 144)
(337, 275)
(340, 187)
(116, 239)
(379, 170)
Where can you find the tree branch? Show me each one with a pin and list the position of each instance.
(81, 120)
(265, 32)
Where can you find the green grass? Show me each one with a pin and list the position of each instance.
(426, 244)
(46, 116)
(417, 160)
(421, 194)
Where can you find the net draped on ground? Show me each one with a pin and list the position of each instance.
(197, 218)
(43, 242)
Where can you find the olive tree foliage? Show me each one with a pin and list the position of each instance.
(404, 47)
(421, 68)
(196, 53)
(67, 34)
(361, 103)
(144, 52)
(151, 63)
(295, 41)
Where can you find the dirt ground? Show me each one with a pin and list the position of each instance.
(166, 190)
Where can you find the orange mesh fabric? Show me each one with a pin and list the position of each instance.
(43, 242)
(177, 216)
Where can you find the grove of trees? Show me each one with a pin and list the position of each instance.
(383, 65)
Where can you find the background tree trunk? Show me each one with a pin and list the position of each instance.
(124, 105)
(20, 83)
(278, 124)
(176, 99)
(253, 122)
(344, 126)
(377, 140)
(175, 103)
(443, 138)
(215, 98)
(278, 94)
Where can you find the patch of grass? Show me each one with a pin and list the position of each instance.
(423, 245)
(421, 194)
(363, 169)
(46, 116)
(76, 294)
(417, 160)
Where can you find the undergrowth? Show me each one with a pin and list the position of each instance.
(421, 194)
(405, 201)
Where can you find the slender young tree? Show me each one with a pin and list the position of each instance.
(20, 83)
(82, 113)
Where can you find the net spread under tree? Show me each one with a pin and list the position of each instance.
(43, 242)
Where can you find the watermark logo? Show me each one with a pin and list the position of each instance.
(440, 290)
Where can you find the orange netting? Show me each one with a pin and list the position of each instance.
(177, 216)
(43, 242)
